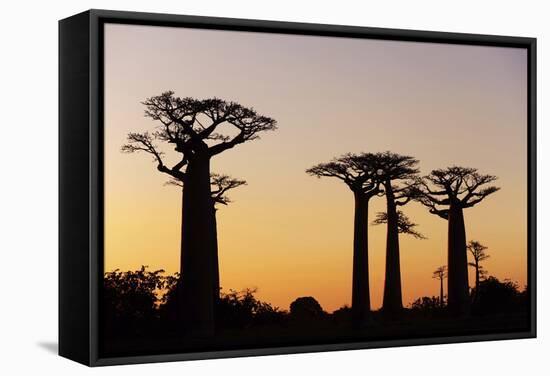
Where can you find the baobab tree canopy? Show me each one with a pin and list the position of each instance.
(462, 186)
(358, 171)
(395, 167)
(194, 127)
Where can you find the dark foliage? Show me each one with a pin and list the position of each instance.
(306, 308)
(495, 296)
(240, 309)
(129, 299)
(427, 306)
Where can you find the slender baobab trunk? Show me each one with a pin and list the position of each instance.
(441, 292)
(196, 303)
(458, 297)
(392, 285)
(360, 297)
(477, 280)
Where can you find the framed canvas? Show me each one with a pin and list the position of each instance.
(236, 187)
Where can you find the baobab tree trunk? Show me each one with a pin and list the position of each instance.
(457, 290)
(196, 302)
(392, 286)
(360, 297)
(441, 292)
(477, 280)
(216, 261)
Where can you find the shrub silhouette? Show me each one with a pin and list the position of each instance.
(129, 299)
(306, 308)
(495, 296)
(240, 309)
(426, 303)
(342, 314)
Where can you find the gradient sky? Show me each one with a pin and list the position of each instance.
(290, 234)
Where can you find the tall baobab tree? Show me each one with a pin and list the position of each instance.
(447, 192)
(398, 174)
(440, 274)
(220, 184)
(360, 173)
(477, 250)
(199, 130)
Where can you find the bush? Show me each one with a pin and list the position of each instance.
(306, 308)
(495, 296)
(129, 299)
(239, 309)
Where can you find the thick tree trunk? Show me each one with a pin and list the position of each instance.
(216, 261)
(458, 297)
(392, 286)
(196, 302)
(360, 297)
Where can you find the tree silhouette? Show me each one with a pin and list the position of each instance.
(129, 299)
(404, 224)
(398, 173)
(440, 274)
(306, 308)
(447, 192)
(477, 250)
(198, 130)
(220, 184)
(360, 173)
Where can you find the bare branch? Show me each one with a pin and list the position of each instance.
(221, 184)
(477, 250)
(440, 273)
(461, 185)
(404, 224)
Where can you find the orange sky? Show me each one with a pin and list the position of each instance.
(290, 234)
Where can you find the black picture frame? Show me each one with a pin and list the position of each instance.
(81, 178)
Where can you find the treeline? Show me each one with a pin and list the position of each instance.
(142, 302)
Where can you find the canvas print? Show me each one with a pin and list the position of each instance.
(269, 190)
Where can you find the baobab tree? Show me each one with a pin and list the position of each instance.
(360, 173)
(398, 174)
(440, 274)
(477, 250)
(220, 184)
(447, 192)
(199, 130)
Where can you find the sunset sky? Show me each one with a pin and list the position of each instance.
(290, 234)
